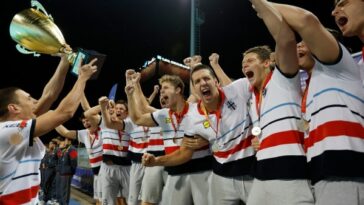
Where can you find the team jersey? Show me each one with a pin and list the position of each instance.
(93, 145)
(173, 133)
(277, 112)
(335, 110)
(228, 132)
(115, 144)
(361, 66)
(138, 142)
(20, 158)
(155, 142)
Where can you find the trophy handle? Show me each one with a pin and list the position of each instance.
(23, 50)
(40, 7)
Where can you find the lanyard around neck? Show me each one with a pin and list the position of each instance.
(259, 95)
(217, 112)
(179, 117)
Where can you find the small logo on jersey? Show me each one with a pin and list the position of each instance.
(231, 105)
(206, 124)
(168, 120)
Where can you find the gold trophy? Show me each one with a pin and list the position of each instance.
(35, 32)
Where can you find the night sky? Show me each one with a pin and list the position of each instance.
(130, 32)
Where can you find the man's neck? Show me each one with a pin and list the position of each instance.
(214, 104)
(178, 108)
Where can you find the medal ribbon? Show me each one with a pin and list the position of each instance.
(217, 112)
(179, 116)
(304, 97)
(145, 129)
(259, 94)
(96, 133)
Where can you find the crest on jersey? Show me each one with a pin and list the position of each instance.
(231, 105)
(168, 120)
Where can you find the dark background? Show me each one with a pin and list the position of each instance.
(130, 32)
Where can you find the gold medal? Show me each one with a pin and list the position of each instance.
(15, 138)
(120, 148)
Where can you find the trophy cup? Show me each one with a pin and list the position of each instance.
(35, 32)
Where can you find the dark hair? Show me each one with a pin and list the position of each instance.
(123, 102)
(7, 96)
(82, 116)
(203, 67)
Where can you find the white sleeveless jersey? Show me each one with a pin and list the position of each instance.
(335, 110)
(19, 162)
(138, 142)
(231, 145)
(281, 154)
(115, 142)
(155, 142)
(93, 146)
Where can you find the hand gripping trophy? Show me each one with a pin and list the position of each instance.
(35, 32)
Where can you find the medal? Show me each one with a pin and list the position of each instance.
(215, 147)
(303, 125)
(256, 131)
(15, 138)
(146, 130)
(120, 148)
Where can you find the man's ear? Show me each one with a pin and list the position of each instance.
(267, 63)
(13, 108)
(178, 89)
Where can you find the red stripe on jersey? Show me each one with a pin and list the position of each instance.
(96, 159)
(138, 145)
(114, 147)
(280, 138)
(156, 142)
(20, 197)
(332, 129)
(169, 150)
(242, 145)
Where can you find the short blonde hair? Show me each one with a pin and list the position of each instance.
(175, 80)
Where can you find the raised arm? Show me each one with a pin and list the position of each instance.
(135, 112)
(84, 103)
(320, 41)
(220, 74)
(110, 121)
(64, 132)
(154, 94)
(54, 87)
(93, 115)
(68, 105)
(286, 50)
